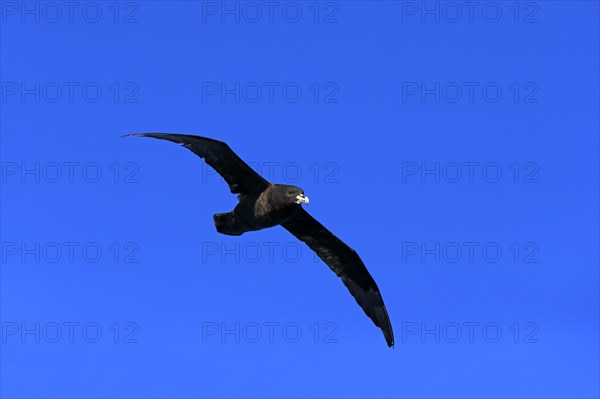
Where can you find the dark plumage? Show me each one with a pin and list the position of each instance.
(263, 204)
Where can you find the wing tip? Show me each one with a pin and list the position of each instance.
(176, 137)
(390, 341)
(144, 134)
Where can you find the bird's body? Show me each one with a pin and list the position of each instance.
(263, 205)
(269, 208)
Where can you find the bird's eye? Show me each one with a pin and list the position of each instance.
(291, 192)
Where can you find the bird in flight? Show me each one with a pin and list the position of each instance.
(263, 204)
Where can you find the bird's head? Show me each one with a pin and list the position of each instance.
(292, 194)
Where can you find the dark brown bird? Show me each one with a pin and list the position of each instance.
(263, 204)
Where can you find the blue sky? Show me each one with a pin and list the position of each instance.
(453, 145)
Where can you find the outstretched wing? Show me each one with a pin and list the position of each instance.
(346, 263)
(240, 177)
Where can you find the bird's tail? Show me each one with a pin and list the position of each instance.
(226, 224)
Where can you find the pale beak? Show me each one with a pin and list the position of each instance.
(301, 199)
